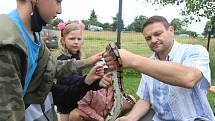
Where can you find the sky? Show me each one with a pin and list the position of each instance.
(106, 9)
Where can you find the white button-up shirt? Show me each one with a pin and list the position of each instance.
(173, 103)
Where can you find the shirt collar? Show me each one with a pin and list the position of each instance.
(171, 53)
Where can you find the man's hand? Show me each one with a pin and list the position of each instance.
(109, 61)
(127, 59)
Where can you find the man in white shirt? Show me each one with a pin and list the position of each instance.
(174, 80)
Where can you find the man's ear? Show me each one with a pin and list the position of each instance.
(171, 29)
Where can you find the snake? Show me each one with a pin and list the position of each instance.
(118, 85)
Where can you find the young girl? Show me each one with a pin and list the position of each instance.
(68, 91)
(95, 105)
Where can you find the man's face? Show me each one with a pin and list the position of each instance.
(49, 9)
(158, 38)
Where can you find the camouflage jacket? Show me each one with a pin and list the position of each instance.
(13, 65)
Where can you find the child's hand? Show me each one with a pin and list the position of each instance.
(106, 80)
(97, 72)
(93, 59)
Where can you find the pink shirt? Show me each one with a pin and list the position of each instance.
(96, 104)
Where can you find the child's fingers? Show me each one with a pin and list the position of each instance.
(108, 75)
(104, 83)
(100, 72)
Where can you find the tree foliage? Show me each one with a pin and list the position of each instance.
(86, 22)
(200, 8)
(177, 24)
(115, 23)
(107, 27)
(93, 21)
(137, 24)
(212, 24)
(93, 18)
(191, 33)
(54, 23)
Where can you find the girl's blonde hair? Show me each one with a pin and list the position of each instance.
(70, 26)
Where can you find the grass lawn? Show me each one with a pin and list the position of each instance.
(134, 42)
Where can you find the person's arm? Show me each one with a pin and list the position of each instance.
(85, 105)
(64, 68)
(70, 94)
(140, 109)
(167, 72)
(75, 91)
(12, 104)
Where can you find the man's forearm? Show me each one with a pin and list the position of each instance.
(140, 109)
(167, 72)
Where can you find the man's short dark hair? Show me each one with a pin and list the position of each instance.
(156, 19)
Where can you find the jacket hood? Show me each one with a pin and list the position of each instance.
(10, 34)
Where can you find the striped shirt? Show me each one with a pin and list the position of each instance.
(173, 103)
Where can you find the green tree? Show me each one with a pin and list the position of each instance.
(115, 22)
(107, 26)
(137, 25)
(200, 8)
(209, 23)
(86, 22)
(55, 22)
(178, 25)
(191, 33)
(93, 18)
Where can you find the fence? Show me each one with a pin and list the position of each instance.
(97, 41)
